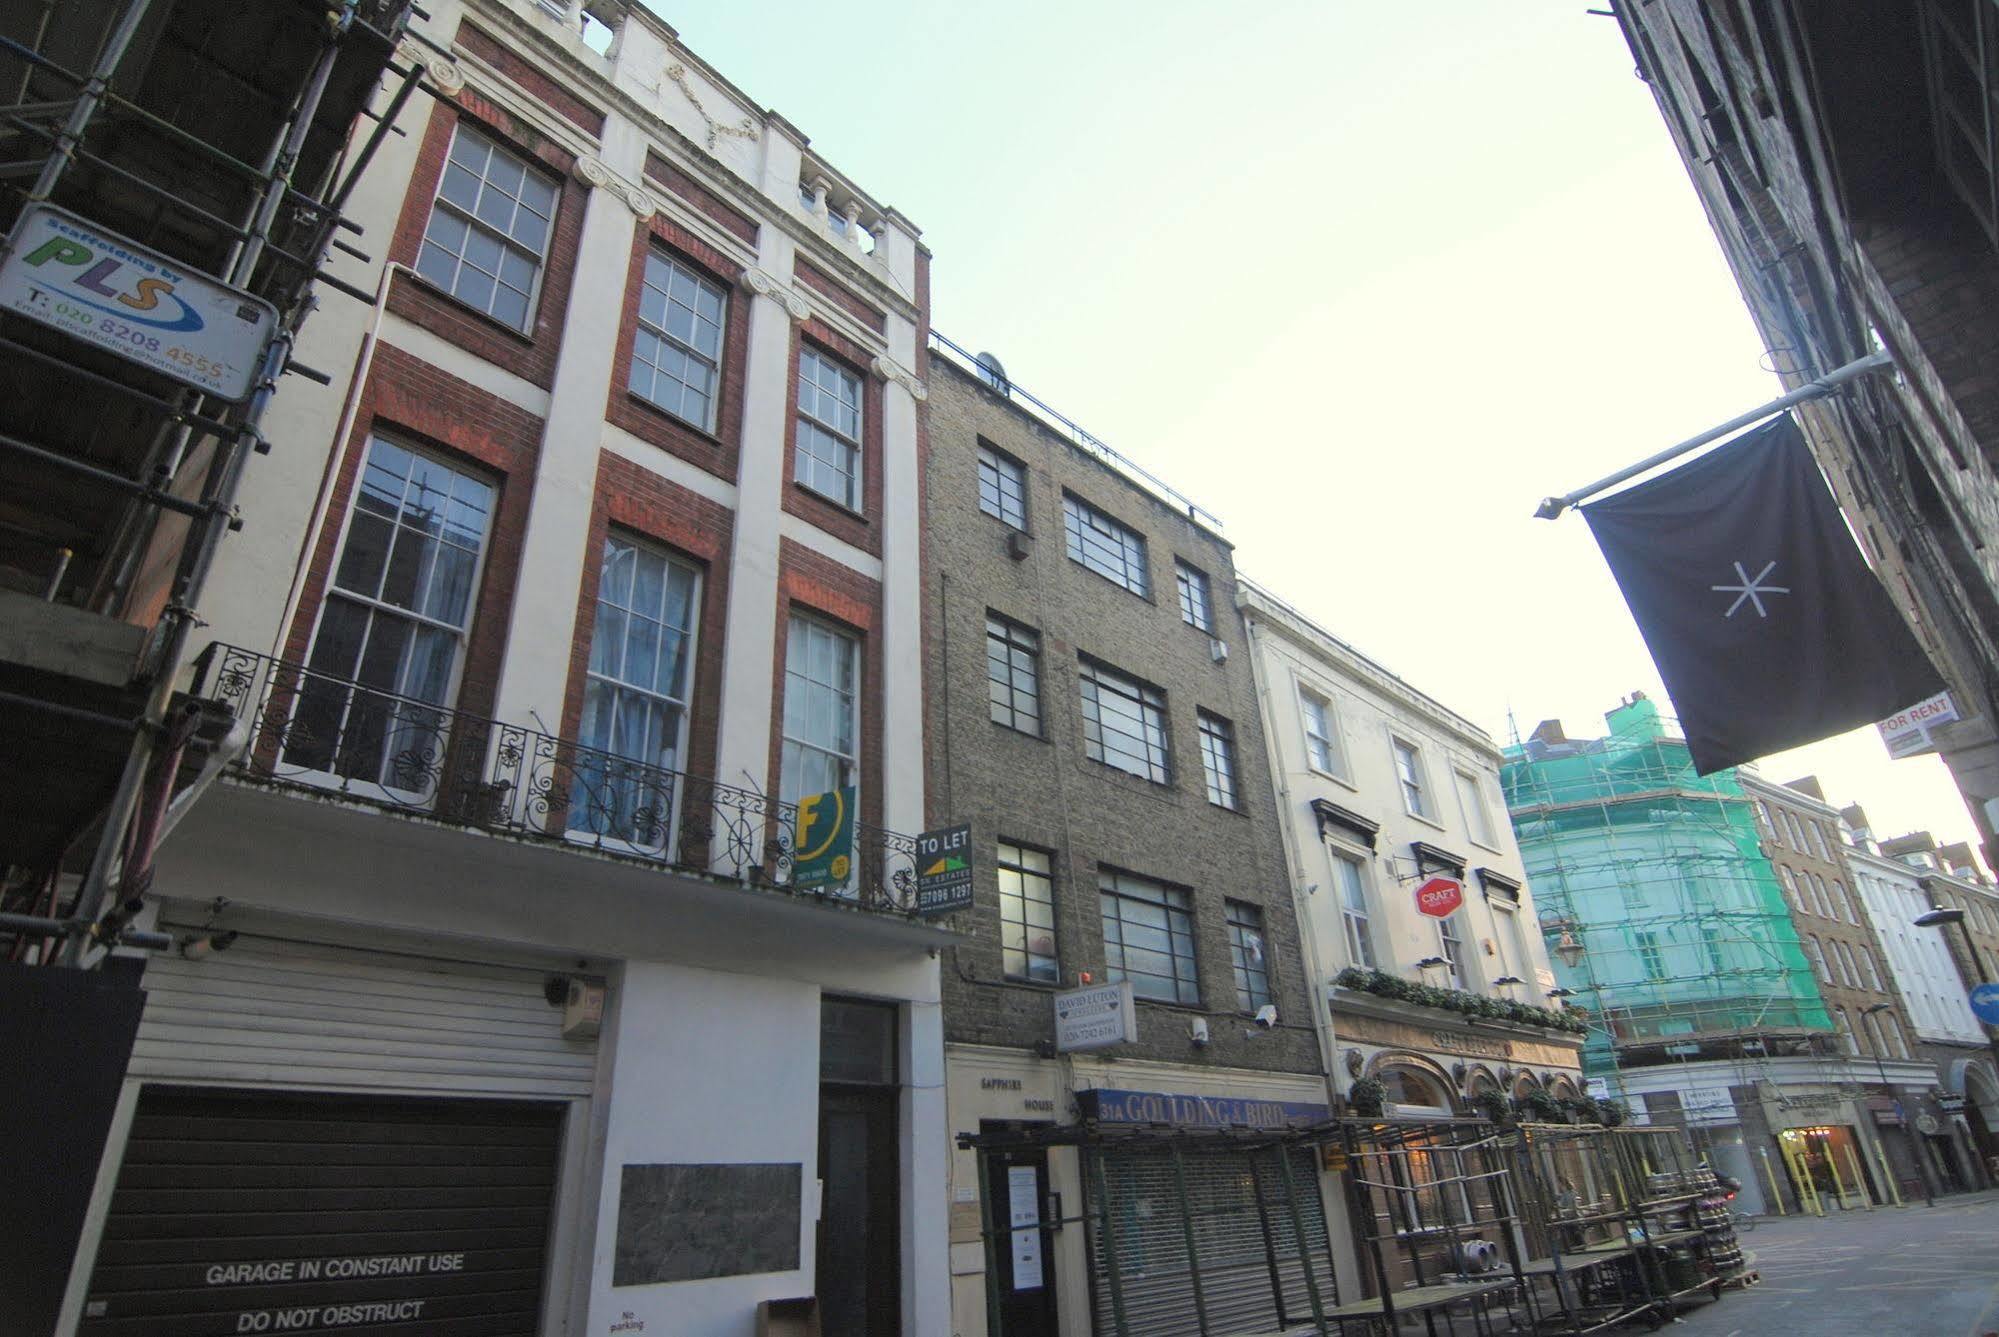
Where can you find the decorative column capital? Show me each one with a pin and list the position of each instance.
(889, 369)
(592, 172)
(766, 284)
(440, 69)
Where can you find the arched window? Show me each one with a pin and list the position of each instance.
(1790, 888)
(1411, 1087)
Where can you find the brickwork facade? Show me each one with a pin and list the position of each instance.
(1043, 791)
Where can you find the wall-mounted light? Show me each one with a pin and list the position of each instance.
(1568, 949)
(1561, 993)
(197, 945)
(1508, 979)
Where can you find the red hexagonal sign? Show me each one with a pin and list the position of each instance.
(1440, 896)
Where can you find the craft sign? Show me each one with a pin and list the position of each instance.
(138, 304)
(1440, 897)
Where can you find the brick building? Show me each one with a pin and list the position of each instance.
(1844, 151)
(1092, 716)
(1877, 1063)
(597, 553)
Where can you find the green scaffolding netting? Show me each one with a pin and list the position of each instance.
(1659, 874)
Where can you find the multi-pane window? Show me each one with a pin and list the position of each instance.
(1002, 487)
(1791, 889)
(1246, 955)
(1148, 937)
(1027, 914)
(1352, 894)
(1845, 899)
(1817, 954)
(1322, 736)
(1196, 609)
(393, 625)
(1818, 839)
(1478, 818)
(489, 229)
(635, 695)
(1866, 955)
(677, 352)
(822, 673)
(1218, 759)
(828, 457)
(1847, 1043)
(1124, 723)
(1013, 674)
(1409, 773)
(1717, 963)
(1105, 546)
(1450, 937)
(1649, 955)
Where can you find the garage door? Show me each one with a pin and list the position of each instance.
(255, 1213)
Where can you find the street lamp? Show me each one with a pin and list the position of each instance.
(1568, 949)
(1881, 1066)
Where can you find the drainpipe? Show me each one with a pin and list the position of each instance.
(1322, 1010)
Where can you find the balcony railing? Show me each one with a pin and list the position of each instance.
(334, 736)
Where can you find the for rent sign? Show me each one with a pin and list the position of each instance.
(99, 288)
(1907, 732)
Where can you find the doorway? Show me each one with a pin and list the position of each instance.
(859, 1254)
(1017, 1187)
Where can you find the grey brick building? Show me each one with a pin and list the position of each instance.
(1090, 712)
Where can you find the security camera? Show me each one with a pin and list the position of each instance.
(1266, 1016)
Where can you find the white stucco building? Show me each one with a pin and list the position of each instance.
(596, 555)
(1381, 788)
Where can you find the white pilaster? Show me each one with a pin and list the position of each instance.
(535, 676)
(926, 1170)
(902, 604)
(749, 638)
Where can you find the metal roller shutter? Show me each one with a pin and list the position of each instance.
(249, 1212)
(270, 1010)
(1237, 1202)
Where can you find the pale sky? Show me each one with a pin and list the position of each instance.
(1365, 280)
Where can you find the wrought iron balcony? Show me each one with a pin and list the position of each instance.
(330, 735)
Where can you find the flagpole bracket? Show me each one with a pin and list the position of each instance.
(1818, 388)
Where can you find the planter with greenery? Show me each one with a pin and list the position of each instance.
(1366, 1096)
(1462, 1001)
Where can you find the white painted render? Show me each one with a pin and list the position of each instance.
(1918, 958)
(1369, 707)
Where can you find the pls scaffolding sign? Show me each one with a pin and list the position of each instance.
(137, 304)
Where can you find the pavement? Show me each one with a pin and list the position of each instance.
(1920, 1271)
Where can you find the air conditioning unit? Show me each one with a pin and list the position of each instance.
(1218, 650)
(1018, 545)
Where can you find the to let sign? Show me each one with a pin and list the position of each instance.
(1440, 896)
(944, 870)
(96, 286)
(1095, 1017)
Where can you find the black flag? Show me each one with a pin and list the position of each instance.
(1767, 626)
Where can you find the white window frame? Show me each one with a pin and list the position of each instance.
(1355, 922)
(808, 420)
(1451, 945)
(1420, 782)
(469, 217)
(1090, 537)
(1471, 797)
(850, 761)
(619, 687)
(673, 266)
(1648, 946)
(1333, 740)
(376, 608)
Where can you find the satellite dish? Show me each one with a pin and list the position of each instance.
(993, 374)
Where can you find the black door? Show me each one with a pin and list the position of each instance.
(1017, 1188)
(860, 1249)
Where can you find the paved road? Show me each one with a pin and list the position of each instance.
(1919, 1271)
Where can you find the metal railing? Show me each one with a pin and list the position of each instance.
(330, 735)
(1069, 428)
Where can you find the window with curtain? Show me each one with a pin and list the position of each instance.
(1027, 914)
(392, 628)
(635, 696)
(822, 680)
(1247, 958)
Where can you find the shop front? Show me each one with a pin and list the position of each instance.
(1433, 1064)
(1113, 1196)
